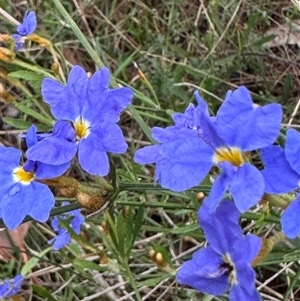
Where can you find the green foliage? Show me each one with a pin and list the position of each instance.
(180, 46)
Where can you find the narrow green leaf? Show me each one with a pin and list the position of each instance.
(33, 261)
(124, 233)
(145, 128)
(264, 40)
(82, 264)
(185, 229)
(43, 292)
(31, 112)
(24, 125)
(27, 75)
(138, 222)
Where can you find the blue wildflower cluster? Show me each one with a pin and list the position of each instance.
(87, 111)
(185, 155)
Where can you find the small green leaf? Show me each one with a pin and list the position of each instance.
(33, 261)
(17, 123)
(185, 229)
(82, 264)
(43, 292)
(24, 125)
(264, 40)
(27, 75)
(31, 112)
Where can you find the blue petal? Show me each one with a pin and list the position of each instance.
(238, 293)
(258, 128)
(290, 220)
(9, 158)
(77, 83)
(242, 253)
(48, 171)
(99, 81)
(10, 287)
(52, 151)
(108, 137)
(243, 258)
(147, 155)
(202, 105)
(28, 25)
(55, 224)
(247, 187)
(221, 227)
(163, 135)
(276, 165)
(107, 106)
(93, 160)
(29, 166)
(191, 117)
(62, 100)
(264, 129)
(203, 273)
(117, 100)
(236, 102)
(77, 221)
(31, 137)
(13, 206)
(183, 164)
(39, 201)
(61, 240)
(63, 129)
(8, 186)
(185, 119)
(292, 149)
(58, 149)
(217, 191)
(209, 132)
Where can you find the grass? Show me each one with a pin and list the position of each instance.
(180, 46)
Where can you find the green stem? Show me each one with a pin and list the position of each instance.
(149, 186)
(156, 205)
(132, 281)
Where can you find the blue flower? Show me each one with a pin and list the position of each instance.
(10, 287)
(290, 220)
(226, 262)
(282, 166)
(21, 195)
(171, 171)
(93, 110)
(27, 27)
(63, 237)
(184, 158)
(282, 175)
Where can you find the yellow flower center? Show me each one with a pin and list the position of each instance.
(232, 155)
(20, 175)
(82, 128)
